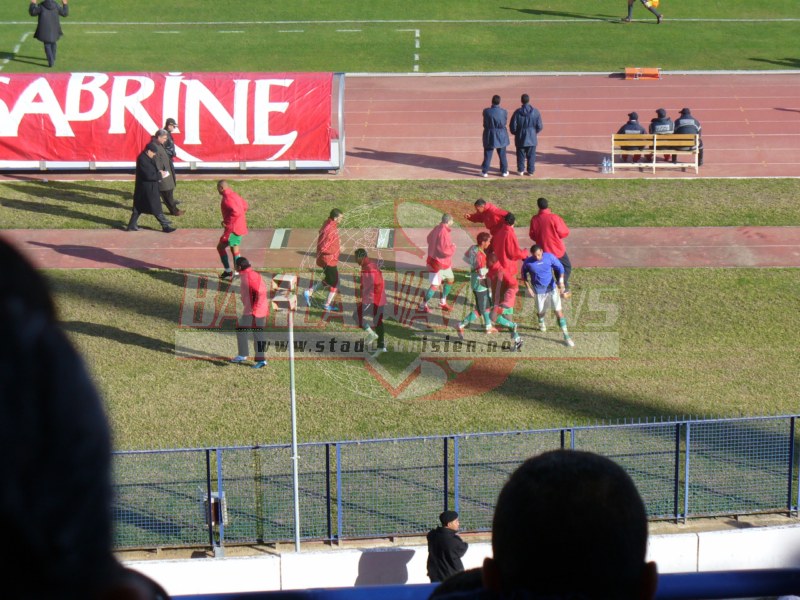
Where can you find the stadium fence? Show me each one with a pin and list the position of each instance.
(397, 487)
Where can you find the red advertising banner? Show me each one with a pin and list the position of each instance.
(105, 119)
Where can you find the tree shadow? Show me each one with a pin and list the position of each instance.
(422, 161)
(791, 63)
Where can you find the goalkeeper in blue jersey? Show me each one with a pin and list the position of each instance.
(650, 5)
(537, 273)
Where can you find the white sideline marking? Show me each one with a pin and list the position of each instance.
(348, 31)
(405, 21)
(232, 31)
(278, 238)
(416, 45)
(15, 50)
(291, 31)
(168, 32)
(101, 32)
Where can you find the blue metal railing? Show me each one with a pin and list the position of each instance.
(391, 487)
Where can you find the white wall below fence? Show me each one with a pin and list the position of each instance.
(756, 548)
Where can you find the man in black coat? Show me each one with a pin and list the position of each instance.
(146, 198)
(526, 123)
(495, 136)
(48, 29)
(445, 548)
(662, 124)
(634, 127)
(686, 123)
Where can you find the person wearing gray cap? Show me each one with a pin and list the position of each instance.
(632, 126)
(445, 548)
(661, 125)
(146, 198)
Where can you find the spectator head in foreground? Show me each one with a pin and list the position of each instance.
(449, 519)
(55, 500)
(570, 524)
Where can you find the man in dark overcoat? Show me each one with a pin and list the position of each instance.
(495, 136)
(48, 29)
(146, 198)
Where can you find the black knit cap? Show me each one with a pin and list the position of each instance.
(448, 516)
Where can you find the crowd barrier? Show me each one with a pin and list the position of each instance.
(396, 487)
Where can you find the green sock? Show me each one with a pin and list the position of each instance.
(428, 295)
(446, 292)
(501, 320)
(487, 319)
(225, 262)
(562, 322)
(469, 318)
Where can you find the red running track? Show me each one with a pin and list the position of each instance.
(430, 127)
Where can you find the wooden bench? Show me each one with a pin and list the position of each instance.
(651, 147)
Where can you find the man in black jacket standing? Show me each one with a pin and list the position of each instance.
(48, 29)
(445, 548)
(146, 199)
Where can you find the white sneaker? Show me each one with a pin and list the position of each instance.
(522, 173)
(568, 341)
(369, 335)
(238, 359)
(505, 174)
(484, 174)
(378, 352)
(542, 326)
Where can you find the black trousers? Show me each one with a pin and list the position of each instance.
(162, 220)
(169, 201)
(50, 53)
(567, 269)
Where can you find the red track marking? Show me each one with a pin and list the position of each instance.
(595, 247)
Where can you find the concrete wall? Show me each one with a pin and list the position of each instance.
(756, 548)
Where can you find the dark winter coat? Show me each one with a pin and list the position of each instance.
(495, 134)
(145, 192)
(163, 163)
(445, 550)
(526, 123)
(48, 29)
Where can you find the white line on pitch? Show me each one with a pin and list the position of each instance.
(14, 51)
(348, 31)
(232, 31)
(100, 32)
(169, 32)
(291, 31)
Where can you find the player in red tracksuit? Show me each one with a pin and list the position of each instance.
(547, 230)
(440, 262)
(504, 288)
(254, 314)
(234, 209)
(373, 301)
(328, 249)
(506, 246)
(487, 214)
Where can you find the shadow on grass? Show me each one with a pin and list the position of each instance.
(789, 62)
(59, 211)
(28, 60)
(58, 189)
(109, 332)
(561, 13)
